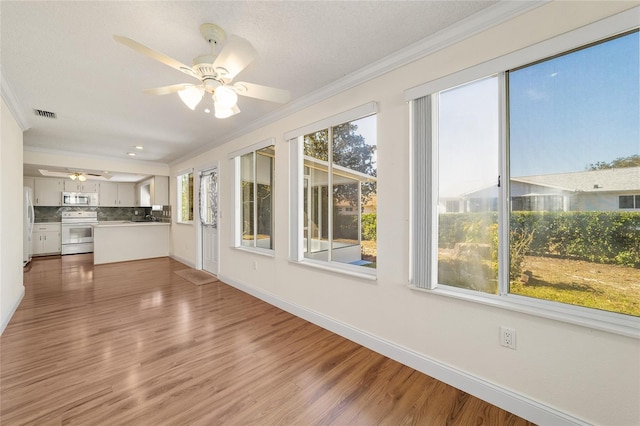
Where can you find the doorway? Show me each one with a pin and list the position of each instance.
(208, 195)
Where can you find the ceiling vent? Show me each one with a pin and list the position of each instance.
(45, 114)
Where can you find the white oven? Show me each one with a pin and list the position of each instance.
(77, 232)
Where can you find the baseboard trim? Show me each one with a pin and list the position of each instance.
(515, 403)
(9, 315)
(181, 260)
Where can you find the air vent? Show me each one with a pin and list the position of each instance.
(45, 114)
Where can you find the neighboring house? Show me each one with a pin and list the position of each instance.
(593, 190)
(369, 206)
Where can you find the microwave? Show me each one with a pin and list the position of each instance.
(79, 199)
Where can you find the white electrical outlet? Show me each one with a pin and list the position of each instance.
(508, 337)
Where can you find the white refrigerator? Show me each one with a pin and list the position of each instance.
(27, 220)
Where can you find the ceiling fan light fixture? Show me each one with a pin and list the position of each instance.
(223, 112)
(225, 97)
(191, 96)
(80, 176)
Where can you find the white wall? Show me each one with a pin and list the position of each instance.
(584, 374)
(11, 211)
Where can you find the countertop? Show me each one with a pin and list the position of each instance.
(112, 223)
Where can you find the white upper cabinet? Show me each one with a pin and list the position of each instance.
(153, 192)
(48, 192)
(77, 186)
(114, 194)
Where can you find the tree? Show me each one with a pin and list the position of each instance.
(618, 163)
(351, 151)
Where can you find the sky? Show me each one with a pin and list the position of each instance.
(564, 114)
(577, 109)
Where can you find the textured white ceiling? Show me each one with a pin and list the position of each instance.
(61, 57)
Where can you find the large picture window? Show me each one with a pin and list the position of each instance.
(530, 174)
(338, 195)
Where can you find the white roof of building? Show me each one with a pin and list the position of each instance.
(605, 180)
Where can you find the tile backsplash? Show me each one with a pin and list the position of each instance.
(54, 214)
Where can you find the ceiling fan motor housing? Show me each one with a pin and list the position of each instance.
(213, 34)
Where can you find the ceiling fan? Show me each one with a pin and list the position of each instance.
(215, 72)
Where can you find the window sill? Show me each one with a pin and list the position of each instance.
(184, 223)
(372, 276)
(258, 251)
(624, 325)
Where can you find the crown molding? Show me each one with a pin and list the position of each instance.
(468, 27)
(12, 102)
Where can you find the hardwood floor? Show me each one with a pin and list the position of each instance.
(133, 343)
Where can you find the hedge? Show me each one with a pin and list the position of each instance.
(601, 237)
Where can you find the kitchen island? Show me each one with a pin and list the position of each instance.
(121, 241)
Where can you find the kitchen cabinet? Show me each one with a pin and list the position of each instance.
(153, 192)
(48, 192)
(114, 194)
(46, 239)
(77, 186)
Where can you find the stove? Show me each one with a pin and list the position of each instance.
(77, 231)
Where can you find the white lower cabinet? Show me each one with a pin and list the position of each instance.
(46, 239)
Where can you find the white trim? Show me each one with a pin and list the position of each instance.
(339, 268)
(611, 322)
(497, 395)
(253, 147)
(9, 315)
(184, 172)
(296, 197)
(478, 22)
(340, 118)
(256, 250)
(183, 260)
(12, 103)
(596, 31)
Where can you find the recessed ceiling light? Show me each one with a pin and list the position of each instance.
(131, 154)
(139, 147)
(207, 110)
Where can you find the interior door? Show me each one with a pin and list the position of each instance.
(209, 219)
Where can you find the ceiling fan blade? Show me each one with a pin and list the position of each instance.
(160, 57)
(166, 90)
(235, 55)
(262, 92)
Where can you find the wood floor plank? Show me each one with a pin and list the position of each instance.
(134, 343)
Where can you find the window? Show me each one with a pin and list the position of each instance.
(336, 202)
(524, 190)
(629, 202)
(185, 197)
(254, 204)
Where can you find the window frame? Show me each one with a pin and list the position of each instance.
(179, 177)
(423, 220)
(235, 158)
(296, 197)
